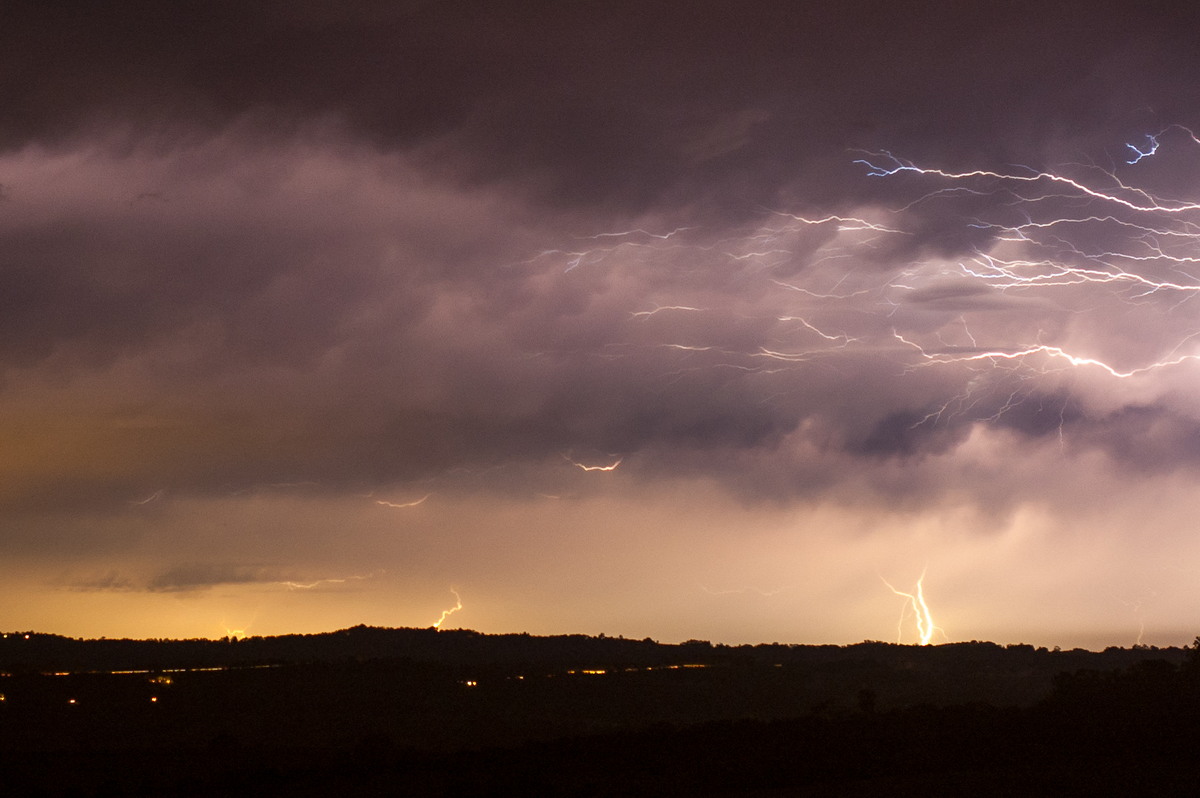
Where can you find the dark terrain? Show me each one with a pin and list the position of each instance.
(424, 712)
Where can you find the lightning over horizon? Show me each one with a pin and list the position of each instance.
(917, 608)
(458, 605)
(605, 304)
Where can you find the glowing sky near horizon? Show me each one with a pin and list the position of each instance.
(591, 318)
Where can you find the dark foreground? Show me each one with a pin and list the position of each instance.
(412, 712)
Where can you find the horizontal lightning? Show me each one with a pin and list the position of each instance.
(1057, 255)
(1050, 351)
(403, 505)
(585, 467)
(329, 581)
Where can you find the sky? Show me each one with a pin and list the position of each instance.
(716, 320)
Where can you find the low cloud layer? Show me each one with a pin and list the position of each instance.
(322, 313)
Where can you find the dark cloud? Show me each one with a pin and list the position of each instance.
(181, 578)
(900, 434)
(111, 581)
(456, 248)
(318, 310)
(195, 576)
(602, 103)
(1146, 439)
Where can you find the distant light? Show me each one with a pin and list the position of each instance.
(70, 700)
(26, 637)
(471, 683)
(153, 699)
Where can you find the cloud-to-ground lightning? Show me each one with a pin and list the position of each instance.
(975, 298)
(1136, 606)
(916, 607)
(458, 605)
(234, 634)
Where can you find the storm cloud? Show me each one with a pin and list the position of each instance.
(272, 275)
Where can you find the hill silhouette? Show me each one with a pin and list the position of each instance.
(459, 712)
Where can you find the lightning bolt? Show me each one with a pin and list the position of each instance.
(403, 505)
(458, 605)
(843, 222)
(585, 467)
(158, 494)
(915, 605)
(1156, 244)
(1049, 257)
(640, 231)
(1141, 200)
(330, 581)
(1151, 148)
(1054, 352)
(234, 634)
(1136, 606)
(645, 314)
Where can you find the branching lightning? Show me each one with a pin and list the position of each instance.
(1138, 154)
(234, 634)
(916, 607)
(1134, 199)
(843, 222)
(976, 291)
(1053, 352)
(1144, 247)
